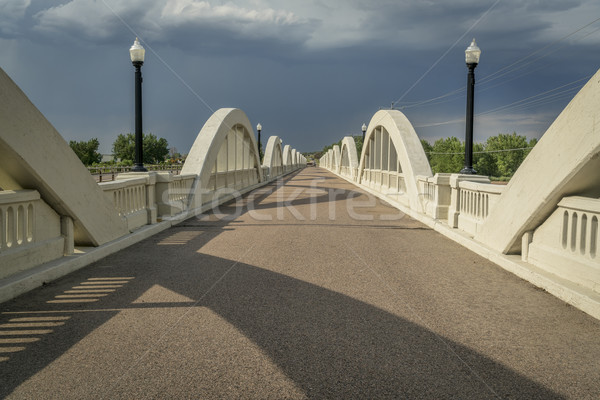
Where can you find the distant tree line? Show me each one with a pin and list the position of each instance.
(499, 157)
(156, 149)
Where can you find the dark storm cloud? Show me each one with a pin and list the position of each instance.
(184, 24)
(311, 71)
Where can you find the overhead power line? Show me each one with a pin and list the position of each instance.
(546, 97)
(446, 52)
(483, 83)
(481, 152)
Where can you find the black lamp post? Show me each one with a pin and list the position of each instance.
(472, 58)
(137, 53)
(364, 130)
(259, 128)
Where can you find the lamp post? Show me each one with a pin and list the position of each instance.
(472, 58)
(364, 130)
(259, 128)
(137, 53)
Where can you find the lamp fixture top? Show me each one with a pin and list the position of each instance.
(137, 51)
(472, 53)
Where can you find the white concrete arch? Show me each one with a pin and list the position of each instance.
(348, 158)
(392, 157)
(273, 159)
(287, 158)
(336, 158)
(224, 156)
(330, 159)
(294, 158)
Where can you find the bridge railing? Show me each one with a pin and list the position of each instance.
(471, 202)
(130, 198)
(30, 232)
(173, 193)
(349, 172)
(109, 173)
(435, 194)
(568, 242)
(390, 183)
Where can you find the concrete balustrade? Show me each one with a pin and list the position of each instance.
(30, 232)
(471, 202)
(567, 243)
(173, 193)
(435, 193)
(130, 198)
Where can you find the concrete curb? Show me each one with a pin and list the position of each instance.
(569, 292)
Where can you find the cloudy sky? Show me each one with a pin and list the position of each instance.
(310, 71)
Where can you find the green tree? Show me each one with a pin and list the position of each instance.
(124, 147)
(87, 151)
(155, 150)
(358, 140)
(447, 155)
(502, 157)
(428, 148)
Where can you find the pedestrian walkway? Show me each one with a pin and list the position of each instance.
(305, 288)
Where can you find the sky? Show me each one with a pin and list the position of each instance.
(310, 71)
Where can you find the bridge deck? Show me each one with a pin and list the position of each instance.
(311, 289)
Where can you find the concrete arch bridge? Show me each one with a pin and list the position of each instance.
(254, 278)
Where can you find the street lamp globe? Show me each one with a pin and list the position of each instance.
(259, 127)
(472, 53)
(137, 52)
(364, 128)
